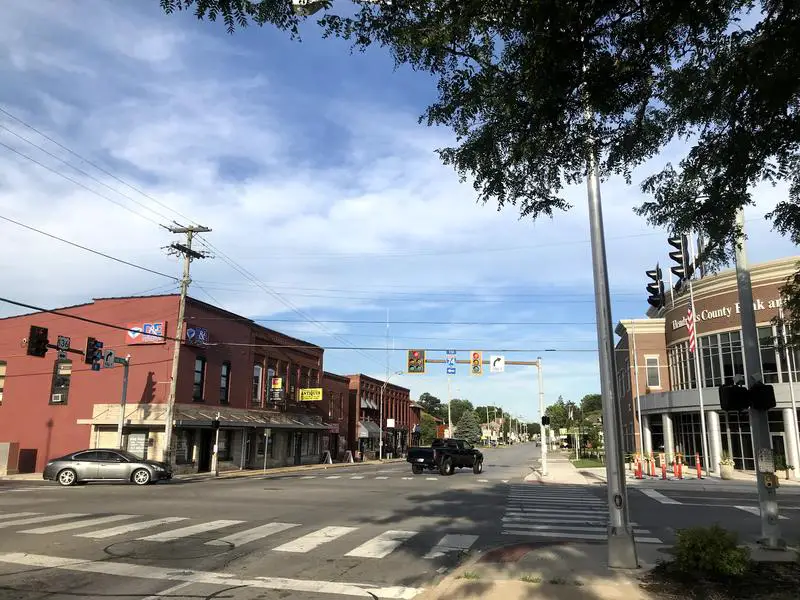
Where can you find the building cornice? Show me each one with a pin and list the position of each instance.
(640, 326)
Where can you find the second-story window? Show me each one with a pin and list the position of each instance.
(225, 383)
(652, 370)
(199, 379)
(258, 384)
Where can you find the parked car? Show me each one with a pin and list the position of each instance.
(446, 455)
(100, 464)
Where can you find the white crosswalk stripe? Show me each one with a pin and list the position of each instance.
(350, 541)
(560, 512)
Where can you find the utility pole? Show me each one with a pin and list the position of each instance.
(449, 415)
(767, 496)
(188, 255)
(543, 427)
(126, 364)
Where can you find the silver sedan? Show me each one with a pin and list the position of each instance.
(100, 464)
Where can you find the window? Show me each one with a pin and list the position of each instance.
(769, 354)
(62, 371)
(258, 384)
(225, 383)
(225, 444)
(653, 375)
(199, 379)
(2, 379)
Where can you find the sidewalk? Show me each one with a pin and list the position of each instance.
(547, 570)
(239, 473)
(559, 470)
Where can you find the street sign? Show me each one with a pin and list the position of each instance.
(62, 355)
(497, 364)
(450, 361)
(108, 359)
(63, 343)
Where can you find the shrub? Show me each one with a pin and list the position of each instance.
(710, 551)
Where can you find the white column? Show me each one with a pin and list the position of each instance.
(715, 441)
(648, 435)
(790, 439)
(669, 438)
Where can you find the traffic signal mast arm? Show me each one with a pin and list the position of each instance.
(525, 363)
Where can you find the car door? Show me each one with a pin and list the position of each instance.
(466, 454)
(112, 466)
(86, 464)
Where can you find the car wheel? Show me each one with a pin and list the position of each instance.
(67, 477)
(416, 469)
(477, 468)
(141, 477)
(447, 467)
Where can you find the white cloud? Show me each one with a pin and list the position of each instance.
(324, 190)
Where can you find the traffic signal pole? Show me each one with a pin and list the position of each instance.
(126, 364)
(759, 425)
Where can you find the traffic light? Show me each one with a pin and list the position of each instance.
(545, 420)
(655, 288)
(416, 361)
(684, 268)
(215, 424)
(737, 398)
(476, 363)
(93, 355)
(37, 341)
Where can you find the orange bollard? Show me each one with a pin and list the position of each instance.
(652, 466)
(680, 469)
(697, 464)
(663, 470)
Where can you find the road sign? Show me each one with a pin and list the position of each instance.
(108, 359)
(63, 343)
(450, 361)
(497, 364)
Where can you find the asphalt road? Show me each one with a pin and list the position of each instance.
(370, 531)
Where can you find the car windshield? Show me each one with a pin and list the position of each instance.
(128, 455)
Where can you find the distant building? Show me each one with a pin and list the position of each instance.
(231, 368)
(665, 386)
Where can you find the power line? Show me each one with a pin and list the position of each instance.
(376, 322)
(97, 252)
(281, 346)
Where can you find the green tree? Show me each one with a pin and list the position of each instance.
(495, 412)
(558, 413)
(458, 406)
(427, 429)
(592, 403)
(432, 405)
(467, 428)
(534, 428)
(515, 80)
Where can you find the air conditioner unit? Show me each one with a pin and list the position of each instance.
(57, 398)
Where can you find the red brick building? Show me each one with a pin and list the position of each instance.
(335, 406)
(399, 418)
(231, 368)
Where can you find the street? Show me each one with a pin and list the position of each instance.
(367, 531)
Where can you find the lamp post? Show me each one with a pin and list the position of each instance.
(380, 418)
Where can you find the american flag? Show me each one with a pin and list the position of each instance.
(690, 329)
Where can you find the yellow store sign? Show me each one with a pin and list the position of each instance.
(310, 394)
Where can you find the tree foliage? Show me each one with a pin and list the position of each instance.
(458, 406)
(432, 405)
(467, 427)
(515, 79)
(427, 429)
(591, 403)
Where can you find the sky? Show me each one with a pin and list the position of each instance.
(330, 212)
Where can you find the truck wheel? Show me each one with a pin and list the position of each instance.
(416, 469)
(446, 467)
(477, 468)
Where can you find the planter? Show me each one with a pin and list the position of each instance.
(726, 471)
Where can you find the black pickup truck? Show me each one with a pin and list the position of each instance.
(446, 455)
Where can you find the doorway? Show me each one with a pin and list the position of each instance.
(298, 448)
(204, 451)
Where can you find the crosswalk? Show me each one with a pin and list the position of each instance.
(291, 538)
(393, 477)
(562, 512)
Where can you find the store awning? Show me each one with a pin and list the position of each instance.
(368, 429)
(232, 417)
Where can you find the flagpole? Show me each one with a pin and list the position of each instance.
(698, 374)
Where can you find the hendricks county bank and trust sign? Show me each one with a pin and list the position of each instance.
(726, 311)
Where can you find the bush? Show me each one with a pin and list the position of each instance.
(710, 551)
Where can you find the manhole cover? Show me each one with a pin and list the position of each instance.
(165, 551)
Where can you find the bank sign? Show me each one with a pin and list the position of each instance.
(725, 311)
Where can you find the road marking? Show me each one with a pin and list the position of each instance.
(407, 478)
(431, 479)
(505, 480)
(176, 534)
(112, 531)
(453, 542)
(42, 519)
(122, 569)
(578, 536)
(357, 477)
(381, 478)
(567, 527)
(315, 539)
(754, 510)
(169, 591)
(659, 497)
(382, 545)
(308, 477)
(483, 481)
(333, 477)
(250, 535)
(78, 524)
(17, 515)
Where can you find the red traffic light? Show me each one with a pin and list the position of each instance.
(475, 356)
(415, 354)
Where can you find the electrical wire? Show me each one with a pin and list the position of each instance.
(376, 322)
(87, 249)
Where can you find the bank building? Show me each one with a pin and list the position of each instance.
(658, 382)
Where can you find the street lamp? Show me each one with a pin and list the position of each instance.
(380, 418)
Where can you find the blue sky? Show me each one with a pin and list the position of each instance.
(309, 165)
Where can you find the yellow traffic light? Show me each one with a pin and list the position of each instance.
(476, 363)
